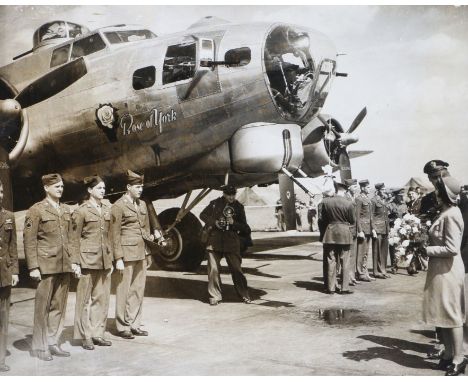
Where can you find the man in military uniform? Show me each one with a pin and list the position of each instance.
(380, 225)
(396, 210)
(225, 218)
(337, 215)
(351, 194)
(8, 274)
(414, 203)
(129, 229)
(364, 230)
(90, 245)
(49, 261)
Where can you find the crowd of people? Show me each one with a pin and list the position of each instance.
(354, 225)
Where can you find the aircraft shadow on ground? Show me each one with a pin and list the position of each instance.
(182, 288)
(393, 349)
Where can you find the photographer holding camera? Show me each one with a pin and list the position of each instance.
(226, 221)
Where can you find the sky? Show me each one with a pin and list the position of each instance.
(407, 64)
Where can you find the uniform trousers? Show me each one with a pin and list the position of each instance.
(49, 310)
(361, 257)
(129, 295)
(336, 254)
(233, 260)
(353, 260)
(92, 303)
(5, 293)
(393, 258)
(379, 254)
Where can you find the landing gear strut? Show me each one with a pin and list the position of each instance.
(183, 250)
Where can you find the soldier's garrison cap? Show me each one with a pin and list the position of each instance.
(134, 179)
(49, 179)
(92, 181)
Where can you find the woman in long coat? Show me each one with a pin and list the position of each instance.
(444, 292)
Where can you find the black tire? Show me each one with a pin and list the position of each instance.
(184, 252)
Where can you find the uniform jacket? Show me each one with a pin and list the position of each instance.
(225, 241)
(353, 227)
(380, 212)
(363, 214)
(89, 236)
(46, 238)
(8, 252)
(336, 216)
(129, 227)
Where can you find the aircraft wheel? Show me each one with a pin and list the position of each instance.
(184, 251)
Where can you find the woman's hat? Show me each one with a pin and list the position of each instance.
(452, 187)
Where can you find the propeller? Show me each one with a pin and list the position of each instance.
(13, 115)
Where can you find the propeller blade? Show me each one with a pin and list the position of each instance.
(357, 121)
(344, 165)
(288, 201)
(52, 83)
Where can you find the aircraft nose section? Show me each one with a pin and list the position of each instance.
(299, 66)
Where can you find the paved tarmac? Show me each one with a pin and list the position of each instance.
(292, 327)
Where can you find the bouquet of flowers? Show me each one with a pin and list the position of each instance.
(408, 235)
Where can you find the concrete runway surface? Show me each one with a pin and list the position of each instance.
(292, 327)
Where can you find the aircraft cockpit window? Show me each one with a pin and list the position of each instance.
(290, 70)
(88, 45)
(180, 62)
(144, 78)
(60, 56)
(119, 37)
(75, 30)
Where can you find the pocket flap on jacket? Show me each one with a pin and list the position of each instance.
(91, 219)
(129, 241)
(89, 249)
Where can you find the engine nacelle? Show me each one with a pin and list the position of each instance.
(266, 148)
(259, 148)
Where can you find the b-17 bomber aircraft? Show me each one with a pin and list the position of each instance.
(216, 103)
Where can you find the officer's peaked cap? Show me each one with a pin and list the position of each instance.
(435, 167)
(364, 183)
(379, 186)
(350, 182)
(229, 190)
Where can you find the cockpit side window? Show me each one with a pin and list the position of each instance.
(180, 62)
(75, 30)
(144, 78)
(60, 56)
(119, 37)
(88, 45)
